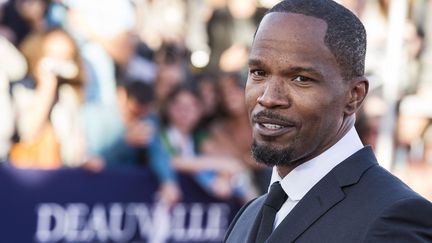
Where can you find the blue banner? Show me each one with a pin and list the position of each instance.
(74, 205)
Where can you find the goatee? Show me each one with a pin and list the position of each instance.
(271, 156)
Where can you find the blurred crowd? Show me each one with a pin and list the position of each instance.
(396, 118)
(105, 84)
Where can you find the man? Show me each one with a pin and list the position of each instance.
(128, 136)
(306, 82)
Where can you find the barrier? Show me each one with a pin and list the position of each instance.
(73, 205)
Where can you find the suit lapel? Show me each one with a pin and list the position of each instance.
(240, 230)
(308, 210)
(323, 196)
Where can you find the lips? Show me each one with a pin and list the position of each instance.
(272, 126)
(272, 130)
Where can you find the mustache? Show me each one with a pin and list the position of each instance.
(266, 114)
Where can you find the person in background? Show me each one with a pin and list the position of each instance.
(104, 36)
(168, 76)
(230, 133)
(172, 69)
(230, 29)
(131, 133)
(23, 17)
(181, 113)
(12, 67)
(49, 129)
(207, 86)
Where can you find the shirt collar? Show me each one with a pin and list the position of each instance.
(302, 178)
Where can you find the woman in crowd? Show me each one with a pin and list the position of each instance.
(181, 113)
(48, 103)
(231, 134)
(207, 86)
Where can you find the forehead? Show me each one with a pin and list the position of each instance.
(278, 25)
(295, 35)
(184, 96)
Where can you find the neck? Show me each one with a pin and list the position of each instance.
(347, 124)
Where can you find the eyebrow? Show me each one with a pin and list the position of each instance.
(255, 62)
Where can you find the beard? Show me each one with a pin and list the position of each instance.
(272, 156)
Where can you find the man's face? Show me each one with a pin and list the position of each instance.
(137, 111)
(295, 93)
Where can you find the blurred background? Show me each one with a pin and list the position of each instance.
(158, 85)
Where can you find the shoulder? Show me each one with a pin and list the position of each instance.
(385, 185)
(407, 219)
(360, 176)
(243, 220)
(397, 211)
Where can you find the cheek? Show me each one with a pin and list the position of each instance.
(317, 110)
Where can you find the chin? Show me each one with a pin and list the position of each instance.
(272, 155)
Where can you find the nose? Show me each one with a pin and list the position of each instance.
(274, 95)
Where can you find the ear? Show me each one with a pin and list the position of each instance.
(358, 90)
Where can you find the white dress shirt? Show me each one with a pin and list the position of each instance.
(300, 180)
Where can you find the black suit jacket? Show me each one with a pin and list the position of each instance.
(358, 201)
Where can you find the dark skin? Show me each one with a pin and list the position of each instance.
(297, 99)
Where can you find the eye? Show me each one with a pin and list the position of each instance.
(257, 73)
(302, 79)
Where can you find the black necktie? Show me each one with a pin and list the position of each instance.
(275, 198)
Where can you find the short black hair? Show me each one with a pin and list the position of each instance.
(345, 36)
(142, 92)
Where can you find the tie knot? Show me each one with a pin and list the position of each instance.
(276, 197)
